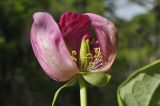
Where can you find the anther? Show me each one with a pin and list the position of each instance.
(74, 52)
(98, 53)
(73, 56)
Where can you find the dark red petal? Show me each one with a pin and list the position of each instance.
(73, 27)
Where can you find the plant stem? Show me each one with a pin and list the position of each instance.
(83, 92)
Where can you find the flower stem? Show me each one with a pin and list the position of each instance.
(83, 92)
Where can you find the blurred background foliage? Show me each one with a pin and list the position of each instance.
(22, 81)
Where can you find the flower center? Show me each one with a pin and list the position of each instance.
(92, 61)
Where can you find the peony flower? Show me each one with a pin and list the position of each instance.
(78, 43)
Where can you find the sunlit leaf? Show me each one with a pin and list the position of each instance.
(141, 87)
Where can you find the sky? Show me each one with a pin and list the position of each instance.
(127, 10)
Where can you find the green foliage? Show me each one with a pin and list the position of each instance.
(141, 88)
(138, 38)
(94, 8)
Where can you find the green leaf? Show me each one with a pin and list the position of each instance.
(68, 84)
(98, 79)
(142, 88)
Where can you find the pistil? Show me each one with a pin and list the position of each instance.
(88, 60)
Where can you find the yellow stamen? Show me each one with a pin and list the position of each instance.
(97, 59)
(89, 58)
(73, 56)
(91, 61)
(98, 53)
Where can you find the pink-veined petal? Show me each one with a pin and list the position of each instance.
(49, 48)
(107, 36)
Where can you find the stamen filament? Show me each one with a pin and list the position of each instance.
(91, 61)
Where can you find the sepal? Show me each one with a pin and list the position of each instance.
(99, 79)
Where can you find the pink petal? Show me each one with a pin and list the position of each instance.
(49, 48)
(74, 26)
(106, 33)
